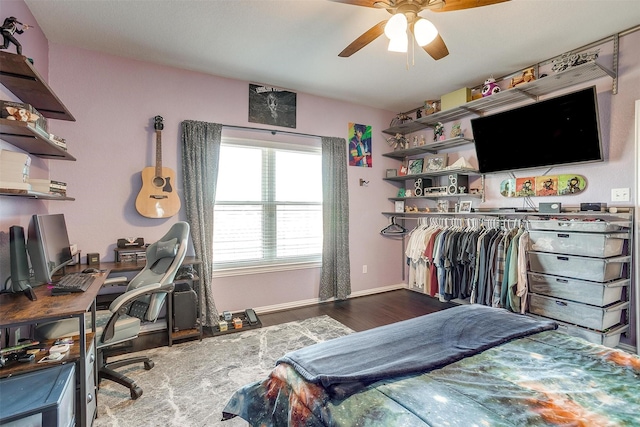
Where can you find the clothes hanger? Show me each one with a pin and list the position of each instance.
(393, 228)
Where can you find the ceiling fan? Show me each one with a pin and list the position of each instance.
(405, 16)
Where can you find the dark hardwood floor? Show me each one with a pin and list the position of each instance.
(364, 312)
(359, 314)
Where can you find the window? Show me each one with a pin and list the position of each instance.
(268, 209)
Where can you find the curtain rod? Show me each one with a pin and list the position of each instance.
(273, 131)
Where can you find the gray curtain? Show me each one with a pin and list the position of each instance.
(335, 279)
(200, 156)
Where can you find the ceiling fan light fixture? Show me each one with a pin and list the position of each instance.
(424, 31)
(399, 43)
(396, 26)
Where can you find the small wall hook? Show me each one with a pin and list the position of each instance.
(363, 183)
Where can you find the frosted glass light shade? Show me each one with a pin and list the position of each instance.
(424, 31)
(396, 26)
(399, 43)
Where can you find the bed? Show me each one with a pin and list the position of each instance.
(463, 366)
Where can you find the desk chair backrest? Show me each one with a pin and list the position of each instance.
(164, 258)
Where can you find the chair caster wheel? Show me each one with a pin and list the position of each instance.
(148, 365)
(136, 392)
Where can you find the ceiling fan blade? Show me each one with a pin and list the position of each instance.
(370, 35)
(451, 5)
(437, 49)
(365, 3)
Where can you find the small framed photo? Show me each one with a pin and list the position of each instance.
(435, 162)
(399, 207)
(442, 205)
(391, 173)
(465, 207)
(403, 170)
(415, 166)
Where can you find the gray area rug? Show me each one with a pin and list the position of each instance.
(191, 382)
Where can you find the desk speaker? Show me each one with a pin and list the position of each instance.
(457, 184)
(93, 258)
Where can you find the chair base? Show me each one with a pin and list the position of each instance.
(107, 371)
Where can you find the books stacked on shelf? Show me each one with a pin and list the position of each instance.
(58, 141)
(14, 170)
(48, 186)
(58, 188)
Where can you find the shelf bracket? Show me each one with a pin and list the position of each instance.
(616, 45)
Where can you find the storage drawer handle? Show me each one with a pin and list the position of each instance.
(563, 258)
(563, 235)
(562, 281)
(562, 303)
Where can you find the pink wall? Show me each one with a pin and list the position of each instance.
(114, 100)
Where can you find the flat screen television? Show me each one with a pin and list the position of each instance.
(48, 246)
(559, 131)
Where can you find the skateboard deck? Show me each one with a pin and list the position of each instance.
(546, 185)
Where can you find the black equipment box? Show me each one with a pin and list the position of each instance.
(185, 307)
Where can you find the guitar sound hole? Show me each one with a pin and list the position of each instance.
(158, 181)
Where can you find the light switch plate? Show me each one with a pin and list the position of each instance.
(620, 195)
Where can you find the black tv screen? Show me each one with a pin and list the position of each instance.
(558, 131)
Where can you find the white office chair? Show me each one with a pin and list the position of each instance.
(142, 301)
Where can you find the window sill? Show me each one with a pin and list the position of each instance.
(242, 271)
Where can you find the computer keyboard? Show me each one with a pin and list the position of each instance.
(73, 282)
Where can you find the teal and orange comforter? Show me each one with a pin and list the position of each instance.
(543, 379)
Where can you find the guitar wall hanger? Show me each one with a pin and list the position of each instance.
(157, 197)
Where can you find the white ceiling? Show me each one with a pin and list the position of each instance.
(294, 44)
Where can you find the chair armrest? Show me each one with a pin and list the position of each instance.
(114, 280)
(133, 294)
(122, 300)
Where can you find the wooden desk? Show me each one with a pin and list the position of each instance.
(18, 310)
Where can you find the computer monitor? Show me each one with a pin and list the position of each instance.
(48, 246)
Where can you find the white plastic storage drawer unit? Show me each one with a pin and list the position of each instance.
(601, 245)
(600, 318)
(584, 291)
(577, 267)
(576, 224)
(609, 338)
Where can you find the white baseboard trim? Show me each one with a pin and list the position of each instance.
(313, 301)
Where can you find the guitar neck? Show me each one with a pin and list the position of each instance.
(158, 153)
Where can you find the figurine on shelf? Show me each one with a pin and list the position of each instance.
(9, 28)
(527, 76)
(431, 106)
(490, 87)
(438, 132)
(456, 131)
(398, 142)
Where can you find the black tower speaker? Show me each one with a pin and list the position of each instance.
(457, 184)
(19, 263)
(185, 307)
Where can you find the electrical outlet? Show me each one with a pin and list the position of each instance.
(364, 269)
(619, 194)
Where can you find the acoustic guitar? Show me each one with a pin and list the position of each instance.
(157, 197)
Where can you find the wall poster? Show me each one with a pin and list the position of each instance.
(272, 106)
(360, 145)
